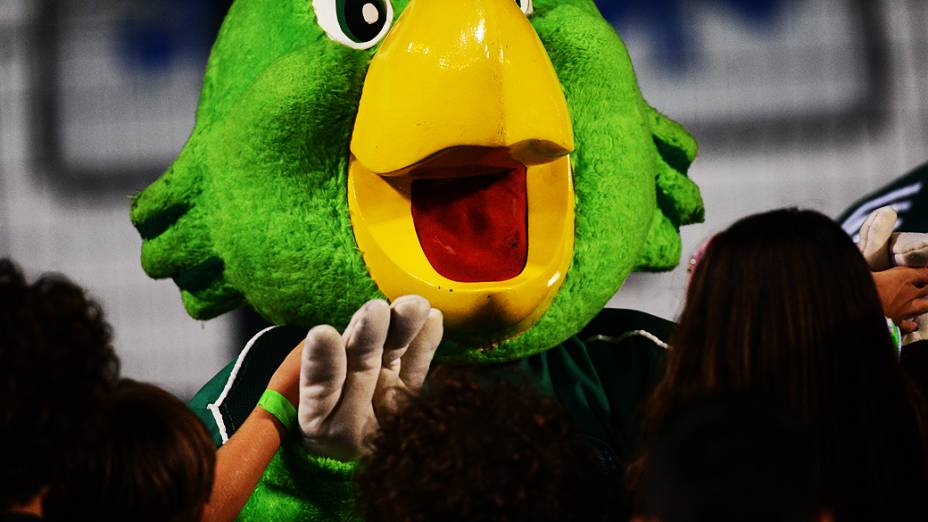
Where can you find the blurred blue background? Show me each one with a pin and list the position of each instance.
(667, 23)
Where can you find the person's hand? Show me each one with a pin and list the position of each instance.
(904, 294)
(347, 380)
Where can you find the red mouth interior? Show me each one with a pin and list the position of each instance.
(473, 229)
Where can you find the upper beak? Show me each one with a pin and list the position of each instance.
(467, 73)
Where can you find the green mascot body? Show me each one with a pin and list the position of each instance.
(255, 209)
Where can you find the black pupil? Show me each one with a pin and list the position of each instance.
(364, 18)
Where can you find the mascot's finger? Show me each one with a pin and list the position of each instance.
(910, 249)
(875, 234)
(322, 375)
(353, 323)
(364, 346)
(418, 358)
(407, 315)
(908, 326)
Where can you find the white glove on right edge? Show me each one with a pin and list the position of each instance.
(884, 249)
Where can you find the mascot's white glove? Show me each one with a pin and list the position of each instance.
(884, 249)
(347, 380)
(903, 292)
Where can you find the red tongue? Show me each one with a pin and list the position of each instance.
(473, 229)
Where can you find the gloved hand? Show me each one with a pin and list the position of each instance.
(898, 261)
(348, 380)
(884, 249)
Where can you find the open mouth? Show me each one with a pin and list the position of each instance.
(455, 228)
(473, 228)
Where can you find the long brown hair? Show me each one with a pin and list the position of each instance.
(783, 307)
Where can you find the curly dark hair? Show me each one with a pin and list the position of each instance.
(56, 361)
(467, 449)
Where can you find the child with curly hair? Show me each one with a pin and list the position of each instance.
(56, 364)
(468, 449)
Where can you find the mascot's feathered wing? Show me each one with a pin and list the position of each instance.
(494, 156)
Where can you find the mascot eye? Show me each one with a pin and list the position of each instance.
(525, 6)
(359, 24)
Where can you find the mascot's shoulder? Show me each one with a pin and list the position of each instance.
(617, 326)
(227, 399)
(618, 357)
(603, 376)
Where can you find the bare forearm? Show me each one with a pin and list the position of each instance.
(240, 464)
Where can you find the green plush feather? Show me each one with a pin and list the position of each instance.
(264, 176)
(678, 198)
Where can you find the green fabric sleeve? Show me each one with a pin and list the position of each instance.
(208, 393)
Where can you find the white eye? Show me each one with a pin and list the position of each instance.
(359, 24)
(525, 6)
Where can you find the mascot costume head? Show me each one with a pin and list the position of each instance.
(497, 159)
(493, 156)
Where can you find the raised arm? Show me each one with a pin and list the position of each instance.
(338, 383)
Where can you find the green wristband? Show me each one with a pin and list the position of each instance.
(280, 407)
(896, 333)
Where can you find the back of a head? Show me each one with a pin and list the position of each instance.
(788, 286)
(784, 307)
(56, 362)
(466, 450)
(729, 460)
(153, 461)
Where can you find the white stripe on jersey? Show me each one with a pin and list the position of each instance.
(852, 224)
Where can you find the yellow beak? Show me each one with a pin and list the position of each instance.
(463, 95)
(452, 74)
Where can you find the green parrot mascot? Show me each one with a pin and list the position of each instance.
(494, 157)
